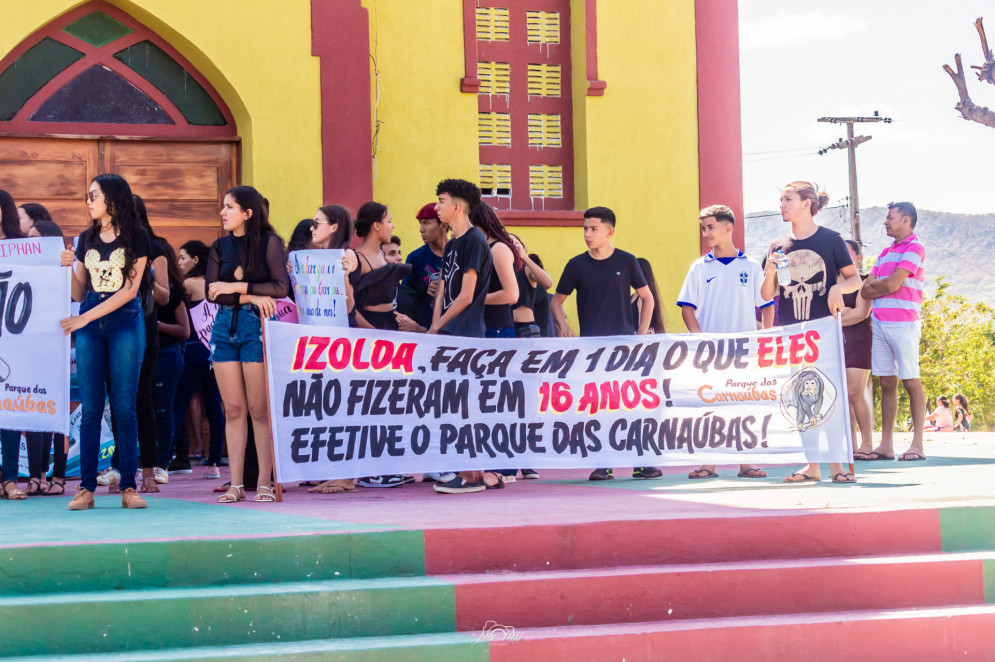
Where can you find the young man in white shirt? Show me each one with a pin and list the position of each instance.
(720, 295)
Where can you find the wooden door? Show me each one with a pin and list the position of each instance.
(181, 182)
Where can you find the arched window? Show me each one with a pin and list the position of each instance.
(96, 71)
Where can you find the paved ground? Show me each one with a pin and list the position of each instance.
(958, 472)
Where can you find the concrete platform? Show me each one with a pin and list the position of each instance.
(957, 472)
(899, 566)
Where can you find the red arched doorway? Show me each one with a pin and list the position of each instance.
(96, 91)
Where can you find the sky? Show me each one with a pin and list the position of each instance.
(851, 58)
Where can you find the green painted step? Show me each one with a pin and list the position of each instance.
(145, 620)
(205, 562)
(453, 647)
(967, 529)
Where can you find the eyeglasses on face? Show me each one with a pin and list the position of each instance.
(315, 224)
(91, 196)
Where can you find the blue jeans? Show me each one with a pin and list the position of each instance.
(508, 332)
(11, 442)
(110, 347)
(167, 378)
(198, 377)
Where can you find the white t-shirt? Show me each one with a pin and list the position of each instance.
(724, 296)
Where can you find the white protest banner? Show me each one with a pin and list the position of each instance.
(350, 402)
(34, 351)
(202, 315)
(319, 287)
(36, 251)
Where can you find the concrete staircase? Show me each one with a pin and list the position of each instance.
(902, 585)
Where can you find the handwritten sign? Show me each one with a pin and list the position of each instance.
(319, 287)
(33, 252)
(202, 315)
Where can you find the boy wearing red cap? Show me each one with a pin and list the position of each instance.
(427, 264)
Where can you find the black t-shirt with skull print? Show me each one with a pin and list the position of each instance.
(815, 263)
(105, 262)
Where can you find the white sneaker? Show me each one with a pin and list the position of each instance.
(109, 476)
(161, 476)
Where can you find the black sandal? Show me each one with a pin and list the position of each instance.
(34, 487)
(56, 486)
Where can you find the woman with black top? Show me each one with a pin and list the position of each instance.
(530, 276)
(40, 444)
(10, 440)
(656, 319)
(197, 376)
(503, 288)
(174, 330)
(246, 274)
(110, 337)
(375, 282)
(374, 288)
(962, 415)
(857, 339)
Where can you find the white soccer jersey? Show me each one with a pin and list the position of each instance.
(724, 296)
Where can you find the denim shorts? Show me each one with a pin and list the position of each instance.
(237, 335)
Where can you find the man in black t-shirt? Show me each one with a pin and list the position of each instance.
(604, 278)
(463, 283)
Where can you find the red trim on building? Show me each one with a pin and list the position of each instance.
(595, 87)
(340, 38)
(470, 83)
(720, 138)
(104, 56)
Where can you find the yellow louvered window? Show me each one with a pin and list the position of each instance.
(544, 130)
(544, 80)
(546, 181)
(495, 179)
(495, 77)
(492, 24)
(494, 128)
(542, 27)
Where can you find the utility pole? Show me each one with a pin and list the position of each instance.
(850, 144)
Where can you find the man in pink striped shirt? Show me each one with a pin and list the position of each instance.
(895, 288)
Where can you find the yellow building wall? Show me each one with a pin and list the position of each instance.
(257, 54)
(635, 148)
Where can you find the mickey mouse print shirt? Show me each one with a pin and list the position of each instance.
(105, 261)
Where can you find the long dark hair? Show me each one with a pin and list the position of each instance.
(172, 269)
(963, 403)
(120, 203)
(10, 222)
(36, 212)
(143, 218)
(656, 320)
(484, 217)
(339, 215)
(48, 229)
(257, 226)
(300, 238)
(200, 250)
(368, 214)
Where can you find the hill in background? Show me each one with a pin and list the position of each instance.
(960, 246)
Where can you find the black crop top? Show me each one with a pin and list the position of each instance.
(526, 290)
(270, 280)
(497, 316)
(377, 286)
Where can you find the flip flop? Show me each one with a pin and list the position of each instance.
(752, 472)
(805, 478)
(708, 474)
(911, 456)
(847, 478)
(872, 457)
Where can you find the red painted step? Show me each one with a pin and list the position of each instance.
(696, 591)
(672, 541)
(912, 635)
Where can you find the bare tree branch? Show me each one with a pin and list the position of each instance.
(965, 106)
(985, 71)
